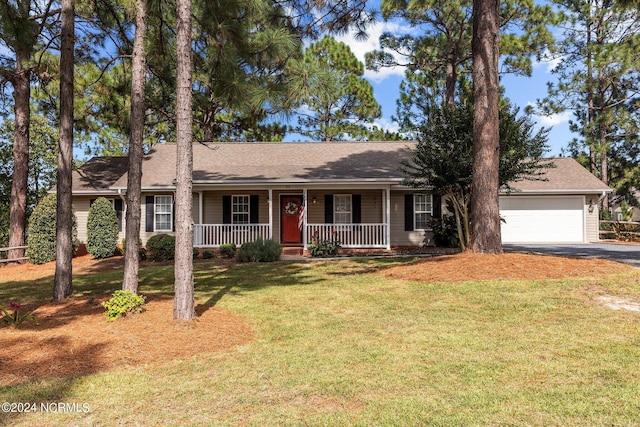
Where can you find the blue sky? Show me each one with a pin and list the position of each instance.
(522, 91)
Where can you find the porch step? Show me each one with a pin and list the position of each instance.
(292, 251)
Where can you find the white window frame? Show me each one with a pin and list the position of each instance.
(416, 211)
(156, 213)
(235, 204)
(337, 213)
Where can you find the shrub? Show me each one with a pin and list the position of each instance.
(161, 247)
(228, 250)
(260, 251)
(41, 240)
(445, 231)
(324, 247)
(208, 254)
(102, 229)
(123, 303)
(196, 252)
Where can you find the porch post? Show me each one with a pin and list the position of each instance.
(388, 216)
(271, 213)
(200, 207)
(304, 218)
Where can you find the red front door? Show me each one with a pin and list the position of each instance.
(290, 214)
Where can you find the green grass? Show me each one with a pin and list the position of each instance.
(335, 344)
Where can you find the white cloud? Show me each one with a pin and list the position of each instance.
(386, 125)
(548, 61)
(554, 119)
(361, 47)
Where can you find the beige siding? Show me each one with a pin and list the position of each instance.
(212, 205)
(81, 207)
(591, 222)
(400, 237)
(371, 205)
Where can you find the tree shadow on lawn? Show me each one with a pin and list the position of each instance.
(238, 279)
(359, 266)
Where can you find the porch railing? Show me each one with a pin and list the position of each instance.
(214, 235)
(350, 235)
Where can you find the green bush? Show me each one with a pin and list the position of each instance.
(41, 240)
(123, 303)
(228, 250)
(324, 247)
(102, 229)
(208, 254)
(260, 251)
(196, 252)
(161, 247)
(445, 231)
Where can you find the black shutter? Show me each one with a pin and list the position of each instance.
(150, 213)
(408, 212)
(117, 204)
(356, 214)
(437, 206)
(226, 209)
(328, 208)
(91, 202)
(173, 214)
(254, 201)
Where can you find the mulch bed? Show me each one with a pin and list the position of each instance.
(74, 337)
(508, 266)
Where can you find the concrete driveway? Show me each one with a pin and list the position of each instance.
(629, 254)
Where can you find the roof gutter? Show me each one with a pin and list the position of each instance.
(554, 192)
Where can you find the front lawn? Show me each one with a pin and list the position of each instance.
(345, 343)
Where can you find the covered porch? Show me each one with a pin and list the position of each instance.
(356, 217)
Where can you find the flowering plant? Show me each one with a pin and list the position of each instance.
(324, 247)
(15, 319)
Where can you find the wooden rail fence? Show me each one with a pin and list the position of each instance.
(25, 258)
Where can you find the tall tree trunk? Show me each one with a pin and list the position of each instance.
(18, 209)
(183, 307)
(136, 139)
(450, 84)
(591, 115)
(485, 213)
(64, 249)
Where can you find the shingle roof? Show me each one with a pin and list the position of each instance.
(567, 176)
(245, 163)
(267, 162)
(99, 174)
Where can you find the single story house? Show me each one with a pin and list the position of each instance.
(350, 191)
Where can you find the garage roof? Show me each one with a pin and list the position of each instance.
(568, 176)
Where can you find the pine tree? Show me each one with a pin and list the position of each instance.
(22, 24)
(599, 81)
(438, 60)
(338, 103)
(136, 141)
(183, 308)
(62, 287)
(485, 209)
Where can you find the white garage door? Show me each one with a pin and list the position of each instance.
(542, 219)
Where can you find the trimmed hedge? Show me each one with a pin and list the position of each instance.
(260, 251)
(102, 229)
(228, 250)
(41, 238)
(161, 247)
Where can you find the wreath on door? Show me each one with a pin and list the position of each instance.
(291, 208)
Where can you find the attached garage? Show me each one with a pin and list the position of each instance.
(543, 219)
(560, 207)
